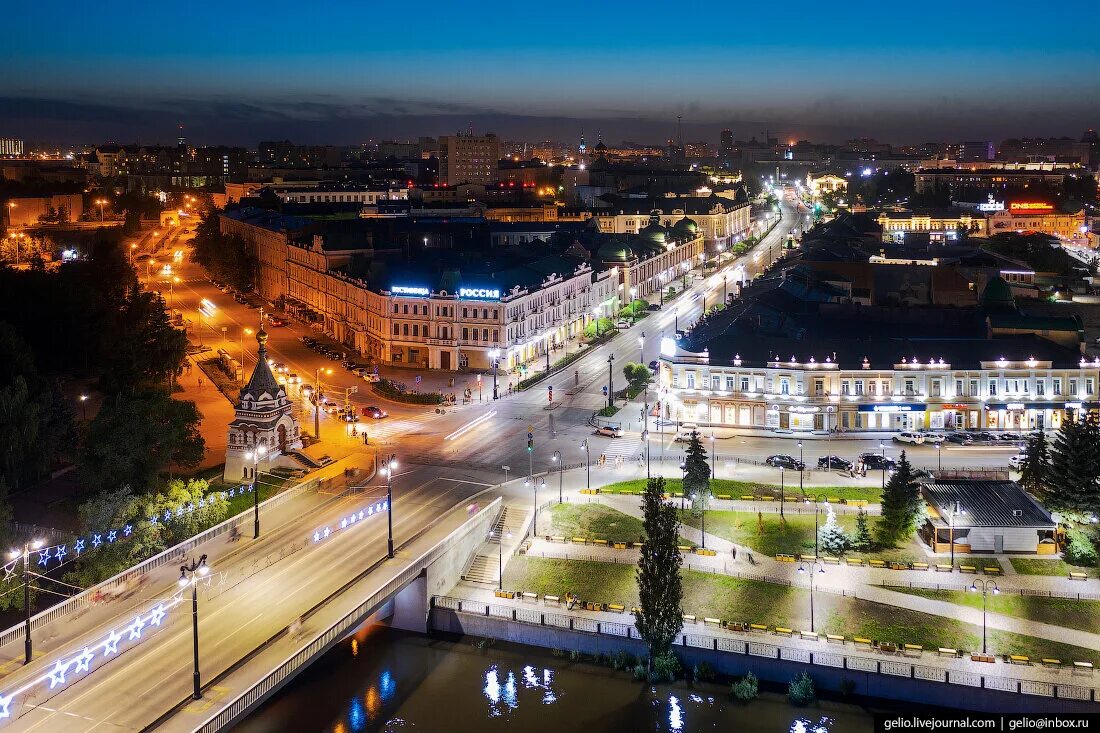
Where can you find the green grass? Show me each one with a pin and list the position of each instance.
(268, 485)
(770, 534)
(1068, 612)
(595, 522)
(1055, 566)
(737, 489)
(728, 598)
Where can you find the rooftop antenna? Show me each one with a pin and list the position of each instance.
(680, 131)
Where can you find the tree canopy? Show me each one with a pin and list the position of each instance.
(659, 616)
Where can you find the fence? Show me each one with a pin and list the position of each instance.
(347, 623)
(829, 654)
(83, 599)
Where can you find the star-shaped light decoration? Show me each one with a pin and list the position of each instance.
(343, 524)
(154, 519)
(316, 536)
(112, 535)
(83, 660)
(79, 545)
(202, 502)
(128, 530)
(167, 515)
(60, 553)
(327, 532)
(5, 706)
(157, 615)
(360, 513)
(111, 645)
(44, 556)
(97, 540)
(57, 674)
(135, 628)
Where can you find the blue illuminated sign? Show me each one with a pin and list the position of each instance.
(479, 293)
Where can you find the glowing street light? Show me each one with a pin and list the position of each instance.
(256, 456)
(26, 554)
(388, 468)
(189, 575)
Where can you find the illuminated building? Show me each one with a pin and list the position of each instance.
(468, 158)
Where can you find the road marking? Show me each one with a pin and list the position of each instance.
(470, 425)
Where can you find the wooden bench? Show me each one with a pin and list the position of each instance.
(987, 658)
(593, 606)
(856, 502)
(1018, 659)
(1075, 575)
(784, 631)
(912, 650)
(877, 563)
(529, 596)
(887, 647)
(737, 626)
(944, 651)
(758, 627)
(599, 542)
(1049, 662)
(766, 498)
(727, 497)
(792, 499)
(708, 621)
(1082, 667)
(616, 607)
(811, 635)
(834, 638)
(785, 558)
(747, 497)
(504, 594)
(899, 565)
(685, 548)
(860, 641)
(705, 552)
(590, 491)
(551, 599)
(634, 610)
(808, 558)
(941, 568)
(967, 569)
(557, 539)
(832, 560)
(580, 540)
(991, 570)
(854, 561)
(619, 545)
(918, 566)
(834, 500)
(689, 618)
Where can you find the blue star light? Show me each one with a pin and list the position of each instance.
(316, 536)
(83, 660)
(154, 519)
(60, 553)
(128, 530)
(5, 705)
(79, 546)
(202, 502)
(44, 557)
(157, 615)
(135, 628)
(111, 645)
(112, 535)
(167, 515)
(57, 674)
(97, 540)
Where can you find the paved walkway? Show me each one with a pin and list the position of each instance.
(216, 411)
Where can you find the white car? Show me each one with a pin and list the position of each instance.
(622, 324)
(370, 377)
(908, 437)
(609, 431)
(934, 438)
(1017, 462)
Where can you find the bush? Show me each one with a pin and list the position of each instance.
(1079, 549)
(666, 668)
(608, 411)
(801, 690)
(702, 672)
(574, 656)
(622, 660)
(389, 390)
(640, 672)
(745, 689)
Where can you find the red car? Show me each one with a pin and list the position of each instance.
(276, 322)
(375, 413)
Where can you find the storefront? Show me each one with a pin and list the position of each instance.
(800, 417)
(954, 416)
(1030, 415)
(892, 416)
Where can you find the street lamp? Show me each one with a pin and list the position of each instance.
(610, 380)
(494, 357)
(939, 458)
(986, 587)
(100, 203)
(317, 392)
(388, 469)
(882, 447)
(189, 575)
(26, 554)
(256, 456)
(782, 488)
(803, 568)
(133, 246)
(587, 464)
(561, 472)
(84, 407)
(702, 519)
(951, 530)
(817, 505)
(596, 315)
(500, 556)
(683, 481)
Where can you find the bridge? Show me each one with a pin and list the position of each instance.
(322, 559)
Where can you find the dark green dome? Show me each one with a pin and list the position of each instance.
(688, 225)
(997, 295)
(613, 251)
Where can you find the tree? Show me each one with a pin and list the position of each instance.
(1073, 478)
(147, 350)
(637, 375)
(901, 505)
(1034, 473)
(696, 468)
(831, 538)
(659, 616)
(861, 539)
(133, 439)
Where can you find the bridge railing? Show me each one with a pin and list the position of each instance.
(83, 599)
(261, 689)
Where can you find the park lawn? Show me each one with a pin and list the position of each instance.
(767, 533)
(737, 489)
(267, 484)
(1056, 566)
(594, 521)
(734, 599)
(1068, 612)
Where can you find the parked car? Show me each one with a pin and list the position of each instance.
(370, 377)
(933, 438)
(330, 407)
(908, 437)
(835, 463)
(985, 436)
(653, 365)
(653, 307)
(307, 340)
(684, 434)
(875, 462)
(1009, 437)
(780, 460)
(1017, 461)
(622, 323)
(276, 322)
(374, 413)
(960, 438)
(609, 431)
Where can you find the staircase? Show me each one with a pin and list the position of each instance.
(303, 459)
(485, 566)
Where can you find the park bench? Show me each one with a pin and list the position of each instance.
(1018, 659)
(783, 631)
(616, 607)
(599, 542)
(887, 647)
(944, 651)
(899, 565)
(912, 650)
(877, 563)
(1082, 667)
(758, 627)
(861, 641)
(529, 596)
(1049, 662)
(504, 594)
(991, 570)
(967, 569)
(1076, 575)
(941, 568)
(551, 599)
(708, 621)
(919, 566)
(747, 497)
(811, 635)
(580, 540)
(619, 545)
(987, 658)
(689, 618)
(854, 561)
(834, 638)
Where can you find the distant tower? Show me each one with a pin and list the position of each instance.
(263, 418)
(582, 149)
(181, 141)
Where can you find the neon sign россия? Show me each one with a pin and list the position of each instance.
(479, 293)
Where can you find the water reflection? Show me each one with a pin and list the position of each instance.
(398, 682)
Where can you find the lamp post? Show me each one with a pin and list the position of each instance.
(84, 407)
(561, 472)
(133, 246)
(702, 519)
(26, 554)
(712, 474)
(494, 357)
(610, 380)
(100, 203)
(683, 480)
(189, 575)
(500, 556)
(244, 332)
(939, 458)
(645, 439)
(986, 587)
(782, 487)
(801, 469)
(817, 505)
(882, 447)
(951, 530)
(389, 468)
(803, 568)
(587, 464)
(317, 392)
(256, 456)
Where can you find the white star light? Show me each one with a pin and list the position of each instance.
(83, 660)
(202, 502)
(97, 540)
(343, 524)
(44, 557)
(128, 530)
(111, 645)
(360, 513)
(167, 515)
(5, 706)
(135, 628)
(112, 535)
(157, 615)
(61, 552)
(79, 546)
(316, 536)
(57, 674)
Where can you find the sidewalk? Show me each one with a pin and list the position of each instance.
(216, 410)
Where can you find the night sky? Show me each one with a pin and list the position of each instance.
(343, 72)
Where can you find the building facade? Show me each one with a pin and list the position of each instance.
(469, 158)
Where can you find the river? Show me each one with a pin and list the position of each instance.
(391, 681)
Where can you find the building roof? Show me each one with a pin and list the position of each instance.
(262, 382)
(985, 503)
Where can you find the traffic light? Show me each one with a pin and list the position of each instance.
(530, 441)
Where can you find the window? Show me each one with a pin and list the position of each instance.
(958, 387)
(935, 388)
(844, 387)
(485, 313)
(992, 387)
(744, 384)
(494, 313)
(973, 387)
(1090, 386)
(484, 334)
(406, 329)
(910, 386)
(464, 313)
(416, 330)
(465, 334)
(691, 380)
(405, 309)
(496, 335)
(1040, 387)
(729, 384)
(871, 387)
(1073, 387)
(396, 329)
(395, 307)
(1056, 386)
(716, 382)
(886, 386)
(475, 334)
(785, 386)
(859, 386)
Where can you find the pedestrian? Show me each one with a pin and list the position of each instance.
(200, 382)
(733, 551)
